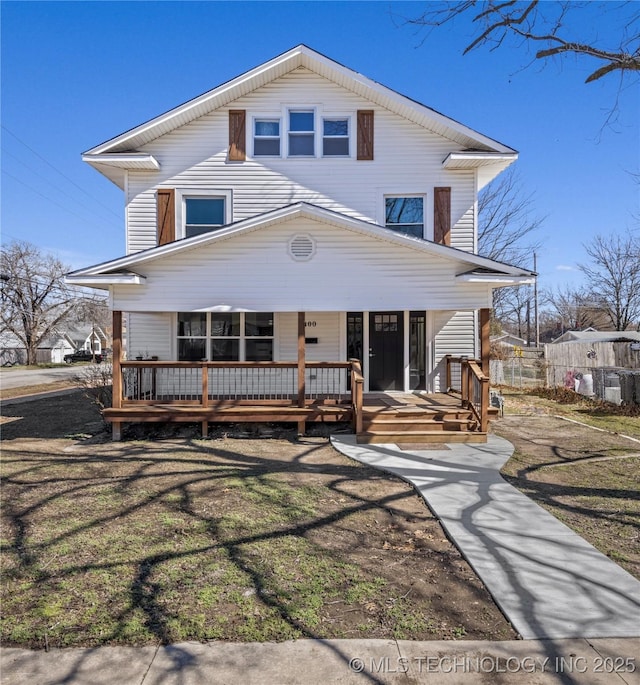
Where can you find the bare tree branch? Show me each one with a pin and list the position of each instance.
(546, 22)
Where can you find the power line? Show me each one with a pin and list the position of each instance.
(80, 188)
(46, 197)
(55, 186)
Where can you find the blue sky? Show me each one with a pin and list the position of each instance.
(77, 73)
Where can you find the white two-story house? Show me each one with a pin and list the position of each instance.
(292, 219)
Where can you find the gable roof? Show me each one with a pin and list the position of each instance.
(121, 152)
(122, 270)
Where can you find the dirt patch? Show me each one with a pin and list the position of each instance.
(587, 478)
(147, 542)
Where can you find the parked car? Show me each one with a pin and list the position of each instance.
(82, 356)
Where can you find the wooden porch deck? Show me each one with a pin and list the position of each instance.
(385, 417)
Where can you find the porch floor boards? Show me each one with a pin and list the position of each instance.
(386, 417)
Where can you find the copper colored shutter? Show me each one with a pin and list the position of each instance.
(237, 135)
(365, 134)
(166, 208)
(442, 216)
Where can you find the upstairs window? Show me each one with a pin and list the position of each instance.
(203, 215)
(335, 137)
(301, 133)
(405, 215)
(266, 138)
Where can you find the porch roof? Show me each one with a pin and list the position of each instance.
(468, 266)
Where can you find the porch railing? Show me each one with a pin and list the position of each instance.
(465, 376)
(206, 384)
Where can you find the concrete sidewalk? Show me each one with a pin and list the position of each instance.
(548, 581)
(323, 662)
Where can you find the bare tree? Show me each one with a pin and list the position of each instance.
(35, 299)
(546, 25)
(506, 223)
(613, 274)
(574, 309)
(506, 232)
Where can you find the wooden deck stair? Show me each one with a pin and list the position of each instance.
(418, 423)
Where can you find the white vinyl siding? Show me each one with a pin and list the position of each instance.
(195, 156)
(150, 334)
(325, 326)
(254, 271)
(455, 334)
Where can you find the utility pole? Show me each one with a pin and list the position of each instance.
(535, 300)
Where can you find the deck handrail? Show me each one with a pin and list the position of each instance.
(194, 384)
(357, 393)
(474, 387)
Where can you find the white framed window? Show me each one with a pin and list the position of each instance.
(301, 132)
(266, 137)
(201, 211)
(225, 336)
(335, 136)
(405, 214)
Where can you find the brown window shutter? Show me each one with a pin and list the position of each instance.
(237, 135)
(166, 208)
(365, 134)
(442, 216)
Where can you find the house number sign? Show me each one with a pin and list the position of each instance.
(310, 324)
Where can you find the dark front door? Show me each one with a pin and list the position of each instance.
(386, 351)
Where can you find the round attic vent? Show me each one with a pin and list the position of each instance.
(302, 247)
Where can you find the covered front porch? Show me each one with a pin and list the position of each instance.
(301, 391)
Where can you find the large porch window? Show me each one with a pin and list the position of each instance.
(227, 336)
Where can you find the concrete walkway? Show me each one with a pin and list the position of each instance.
(548, 581)
(323, 662)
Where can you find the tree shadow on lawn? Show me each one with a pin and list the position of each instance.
(281, 539)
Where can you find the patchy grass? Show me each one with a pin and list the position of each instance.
(587, 478)
(569, 404)
(147, 542)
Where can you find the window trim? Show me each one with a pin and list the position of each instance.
(302, 109)
(183, 194)
(319, 117)
(349, 137)
(427, 221)
(266, 117)
(242, 338)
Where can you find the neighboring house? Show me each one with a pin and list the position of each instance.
(508, 340)
(297, 215)
(90, 338)
(53, 348)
